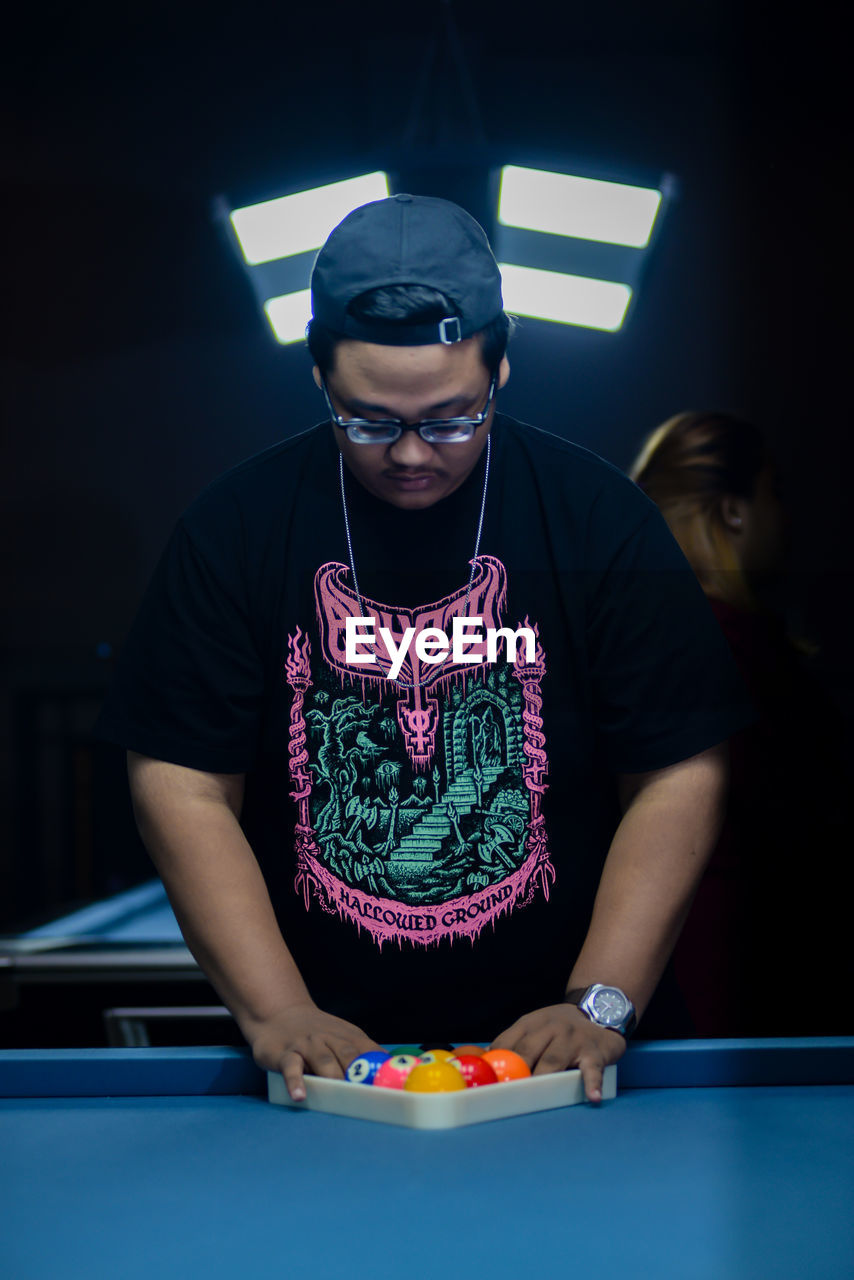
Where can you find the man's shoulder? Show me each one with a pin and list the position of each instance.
(271, 477)
(278, 460)
(577, 471)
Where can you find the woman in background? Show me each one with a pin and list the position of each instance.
(765, 947)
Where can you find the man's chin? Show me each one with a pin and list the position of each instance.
(411, 499)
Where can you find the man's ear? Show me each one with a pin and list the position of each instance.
(503, 372)
(315, 373)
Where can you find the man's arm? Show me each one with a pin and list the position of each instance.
(189, 823)
(672, 819)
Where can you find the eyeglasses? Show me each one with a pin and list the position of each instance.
(387, 430)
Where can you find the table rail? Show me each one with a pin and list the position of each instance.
(654, 1064)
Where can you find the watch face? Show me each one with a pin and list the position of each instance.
(610, 1006)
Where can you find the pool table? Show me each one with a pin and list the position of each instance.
(122, 936)
(58, 981)
(717, 1160)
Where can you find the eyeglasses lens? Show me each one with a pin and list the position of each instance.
(433, 433)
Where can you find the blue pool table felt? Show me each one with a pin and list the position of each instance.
(711, 1182)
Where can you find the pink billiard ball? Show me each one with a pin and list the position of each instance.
(393, 1072)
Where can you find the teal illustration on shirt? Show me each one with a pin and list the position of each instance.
(418, 799)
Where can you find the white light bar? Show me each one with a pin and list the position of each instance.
(289, 314)
(295, 224)
(611, 212)
(549, 295)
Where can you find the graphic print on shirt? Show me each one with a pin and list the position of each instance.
(418, 808)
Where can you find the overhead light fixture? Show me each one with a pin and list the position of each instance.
(572, 248)
(586, 208)
(289, 314)
(302, 221)
(278, 241)
(565, 299)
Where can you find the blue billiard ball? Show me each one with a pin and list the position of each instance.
(363, 1069)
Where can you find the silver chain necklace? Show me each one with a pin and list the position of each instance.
(403, 683)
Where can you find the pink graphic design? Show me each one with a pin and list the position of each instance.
(417, 713)
(389, 921)
(418, 814)
(529, 677)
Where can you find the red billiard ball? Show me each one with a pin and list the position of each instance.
(475, 1071)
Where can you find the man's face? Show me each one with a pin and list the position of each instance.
(411, 383)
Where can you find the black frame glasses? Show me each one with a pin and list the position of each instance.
(388, 430)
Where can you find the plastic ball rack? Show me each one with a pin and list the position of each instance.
(440, 1110)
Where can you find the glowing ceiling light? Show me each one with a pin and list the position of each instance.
(551, 295)
(289, 314)
(299, 223)
(586, 208)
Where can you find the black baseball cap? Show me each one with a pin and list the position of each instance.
(407, 239)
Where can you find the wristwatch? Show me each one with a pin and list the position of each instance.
(608, 1006)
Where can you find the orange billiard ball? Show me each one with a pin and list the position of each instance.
(507, 1064)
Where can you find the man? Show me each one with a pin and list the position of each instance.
(387, 678)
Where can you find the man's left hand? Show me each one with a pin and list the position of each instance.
(560, 1037)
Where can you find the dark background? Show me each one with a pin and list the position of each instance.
(136, 367)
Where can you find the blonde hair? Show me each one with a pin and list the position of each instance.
(687, 466)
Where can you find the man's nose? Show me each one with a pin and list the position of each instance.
(411, 451)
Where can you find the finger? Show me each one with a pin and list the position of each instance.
(508, 1039)
(323, 1061)
(546, 1049)
(591, 1074)
(552, 1058)
(542, 1050)
(347, 1051)
(292, 1068)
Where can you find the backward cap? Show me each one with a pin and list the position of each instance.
(407, 239)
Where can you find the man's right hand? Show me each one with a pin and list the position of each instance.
(189, 821)
(303, 1040)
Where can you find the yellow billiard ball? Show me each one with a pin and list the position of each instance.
(434, 1077)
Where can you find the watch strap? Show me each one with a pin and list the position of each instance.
(576, 994)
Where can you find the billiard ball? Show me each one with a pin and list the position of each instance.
(476, 1049)
(363, 1069)
(474, 1069)
(436, 1055)
(506, 1064)
(434, 1077)
(412, 1050)
(392, 1073)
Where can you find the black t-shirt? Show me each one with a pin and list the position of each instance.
(432, 854)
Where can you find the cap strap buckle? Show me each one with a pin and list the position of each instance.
(444, 333)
